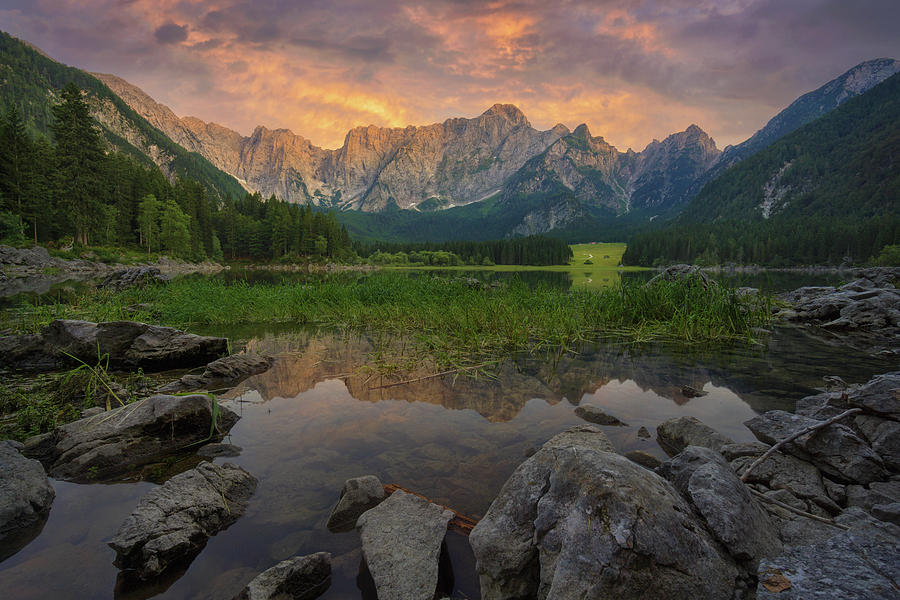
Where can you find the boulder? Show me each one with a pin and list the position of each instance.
(133, 276)
(835, 449)
(127, 344)
(357, 496)
(595, 414)
(860, 304)
(644, 459)
(173, 522)
(577, 521)
(878, 492)
(682, 272)
(224, 372)
(860, 564)
(114, 442)
(786, 472)
(297, 578)
(401, 543)
(740, 450)
(25, 499)
(879, 396)
(723, 501)
(675, 435)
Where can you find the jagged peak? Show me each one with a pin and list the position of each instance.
(560, 129)
(582, 131)
(510, 112)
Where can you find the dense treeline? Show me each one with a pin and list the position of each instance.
(533, 250)
(812, 240)
(72, 191)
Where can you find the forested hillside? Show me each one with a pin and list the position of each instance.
(827, 191)
(73, 191)
(532, 250)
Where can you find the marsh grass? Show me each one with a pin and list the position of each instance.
(447, 321)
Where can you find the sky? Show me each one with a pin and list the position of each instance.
(633, 70)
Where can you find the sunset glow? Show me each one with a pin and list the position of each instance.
(632, 70)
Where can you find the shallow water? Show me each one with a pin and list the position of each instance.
(313, 421)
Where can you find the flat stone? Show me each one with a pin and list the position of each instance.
(834, 449)
(595, 414)
(25, 499)
(357, 496)
(860, 564)
(675, 435)
(644, 459)
(173, 522)
(297, 578)
(224, 372)
(129, 436)
(401, 542)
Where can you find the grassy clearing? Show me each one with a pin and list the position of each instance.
(447, 322)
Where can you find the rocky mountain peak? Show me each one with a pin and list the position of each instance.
(510, 112)
(582, 132)
(560, 130)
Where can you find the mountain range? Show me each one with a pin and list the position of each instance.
(490, 176)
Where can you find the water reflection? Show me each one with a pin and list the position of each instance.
(313, 421)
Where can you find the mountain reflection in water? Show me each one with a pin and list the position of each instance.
(313, 421)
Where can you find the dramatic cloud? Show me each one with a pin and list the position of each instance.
(171, 33)
(633, 70)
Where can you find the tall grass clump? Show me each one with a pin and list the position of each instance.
(448, 318)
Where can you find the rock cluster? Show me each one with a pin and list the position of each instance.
(173, 522)
(868, 303)
(127, 344)
(113, 442)
(681, 272)
(25, 499)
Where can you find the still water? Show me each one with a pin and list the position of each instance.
(314, 420)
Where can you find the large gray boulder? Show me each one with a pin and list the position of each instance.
(25, 499)
(297, 578)
(879, 396)
(577, 521)
(860, 304)
(723, 501)
(113, 442)
(401, 543)
(173, 522)
(860, 564)
(677, 434)
(357, 496)
(127, 344)
(835, 449)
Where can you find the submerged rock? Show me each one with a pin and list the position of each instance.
(835, 449)
(25, 499)
(357, 496)
(401, 543)
(173, 521)
(595, 414)
(127, 344)
(675, 435)
(860, 564)
(644, 459)
(576, 521)
(221, 373)
(297, 578)
(116, 441)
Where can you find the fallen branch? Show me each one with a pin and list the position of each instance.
(793, 437)
(432, 376)
(796, 511)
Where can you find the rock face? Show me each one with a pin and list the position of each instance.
(401, 542)
(173, 522)
(128, 345)
(593, 414)
(224, 372)
(575, 521)
(297, 578)
(25, 499)
(113, 442)
(835, 449)
(860, 564)
(357, 496)
(677, 434)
